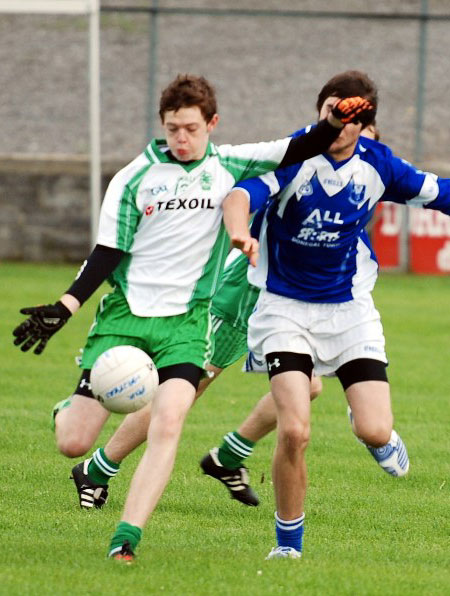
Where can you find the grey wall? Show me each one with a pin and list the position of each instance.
(45, 208)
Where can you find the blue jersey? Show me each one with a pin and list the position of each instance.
(313, 242)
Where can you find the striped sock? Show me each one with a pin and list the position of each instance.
(290, 533)
(125, 531)
(101, 468)
(234, 449)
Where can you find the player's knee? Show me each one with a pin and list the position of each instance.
(375, 434)
(73, 445)
(75, 438)
(294, 438)
(167, 425)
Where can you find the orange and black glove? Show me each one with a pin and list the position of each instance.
(353, 110)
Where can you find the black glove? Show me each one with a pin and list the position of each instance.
(353, 109)
(44, 321)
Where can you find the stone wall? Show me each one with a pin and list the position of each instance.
(45, 207)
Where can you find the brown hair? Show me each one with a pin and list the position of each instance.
(350, 84)
(186, 91)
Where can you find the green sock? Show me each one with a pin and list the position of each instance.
(125, 531)
(101, 468)
(234, 450)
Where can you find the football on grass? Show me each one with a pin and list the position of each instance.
(124, 379)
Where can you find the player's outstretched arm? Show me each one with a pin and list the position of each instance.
(235, 216)
(45, 320)
(318, 139)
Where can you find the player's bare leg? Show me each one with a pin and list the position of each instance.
(261, 421)
(291, 393)
(372, 420)
(92, 475)
(129, 435)
(226, 463)
(78, 426)
(316, 387)
(170, 407)
(370, 403)
(132, 432)
(212, 372)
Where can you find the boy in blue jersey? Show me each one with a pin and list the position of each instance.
(232, 306)
(316, 271)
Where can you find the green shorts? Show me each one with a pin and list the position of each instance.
(230, 343)
(235, 298)
(170, 340)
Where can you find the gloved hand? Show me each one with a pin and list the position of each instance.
(45, 321)
(353, 110)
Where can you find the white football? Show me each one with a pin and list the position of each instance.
(124, 379)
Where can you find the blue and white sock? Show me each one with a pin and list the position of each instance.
(290, 533)
(392, 457)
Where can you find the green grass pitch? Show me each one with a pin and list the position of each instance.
(366, 533)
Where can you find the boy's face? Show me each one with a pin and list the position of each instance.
(187, 132)
(344, 145)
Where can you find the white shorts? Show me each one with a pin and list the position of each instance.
(332, 334)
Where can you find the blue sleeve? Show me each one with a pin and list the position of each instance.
(442, 202)
(407, 185)
(258, 190)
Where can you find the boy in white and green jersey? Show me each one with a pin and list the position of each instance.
(162, 243)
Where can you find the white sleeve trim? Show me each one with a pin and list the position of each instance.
(429, 192)
(244, 190)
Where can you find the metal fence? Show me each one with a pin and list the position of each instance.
(267, 60)
(423, 18)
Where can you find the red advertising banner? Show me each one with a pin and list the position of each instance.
(386, 235)
(428, 239)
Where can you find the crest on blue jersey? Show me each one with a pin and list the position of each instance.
(357, 194)
(305, 190)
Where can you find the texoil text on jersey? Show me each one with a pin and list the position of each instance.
(178, 203)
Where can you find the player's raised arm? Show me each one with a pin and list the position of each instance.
(317, 140)
(46, 319)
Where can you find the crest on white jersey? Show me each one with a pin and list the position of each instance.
(183, 184)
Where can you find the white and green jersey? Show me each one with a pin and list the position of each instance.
(167, 217)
